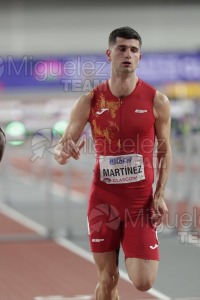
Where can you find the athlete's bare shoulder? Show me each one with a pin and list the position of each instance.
(84, 100)
(81, 107)
(87, 97)
(161, 105)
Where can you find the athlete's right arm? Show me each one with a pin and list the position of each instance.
(67, 146)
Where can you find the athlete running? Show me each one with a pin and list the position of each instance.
(128, 119)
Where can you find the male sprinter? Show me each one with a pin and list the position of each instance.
(126, 115)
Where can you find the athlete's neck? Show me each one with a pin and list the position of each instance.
(122, 87)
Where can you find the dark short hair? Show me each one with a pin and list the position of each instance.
(126, 33)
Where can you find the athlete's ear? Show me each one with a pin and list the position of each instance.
(108, 52)
(139, 60)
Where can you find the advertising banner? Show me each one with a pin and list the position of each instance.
(81, 73)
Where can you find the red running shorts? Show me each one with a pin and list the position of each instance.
(122, 217)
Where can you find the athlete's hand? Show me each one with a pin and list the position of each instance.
(160, 209)
(63, 152)
(72, 149)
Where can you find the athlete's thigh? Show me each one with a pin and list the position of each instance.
(103, 221)
(142, 271)
(107, 263)
(140, 239)
(140, 245)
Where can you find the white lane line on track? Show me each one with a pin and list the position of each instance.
(66, 244)
(18, 217)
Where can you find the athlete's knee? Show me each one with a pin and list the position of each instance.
(108, 281)
(143, 285)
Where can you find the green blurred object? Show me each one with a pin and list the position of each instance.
(60, 126)
(16, 133)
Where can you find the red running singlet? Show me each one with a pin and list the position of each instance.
(124, 126)
(120, 213)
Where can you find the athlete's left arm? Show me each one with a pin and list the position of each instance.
(164, 156)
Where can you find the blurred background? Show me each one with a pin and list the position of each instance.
(54, 51)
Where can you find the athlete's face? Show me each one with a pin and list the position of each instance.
(124, 55)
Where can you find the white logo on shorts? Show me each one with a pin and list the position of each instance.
(154, 247)
(97, 240)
